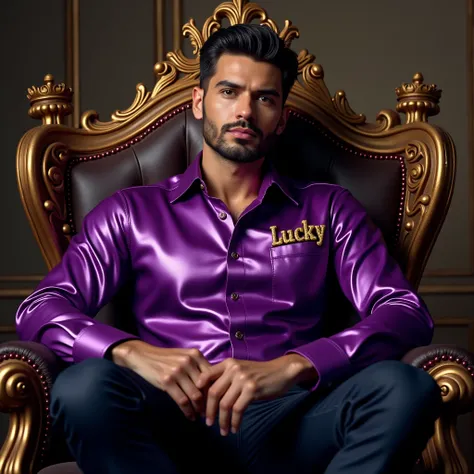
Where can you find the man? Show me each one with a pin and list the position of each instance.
(229, 371)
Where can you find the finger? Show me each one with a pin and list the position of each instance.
(202, 387)
(194, 395)
(226, 407)
(239, 408)
(182, 400)
(194, 374)
(214, 396)
(201, 362)
(206, 378)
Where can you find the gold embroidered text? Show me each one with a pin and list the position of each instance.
(300, 234)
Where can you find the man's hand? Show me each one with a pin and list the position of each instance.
(174, 371)
(236, 383)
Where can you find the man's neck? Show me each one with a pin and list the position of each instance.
(233, 183)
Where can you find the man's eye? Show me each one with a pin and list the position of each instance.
(228, 92)
(265, 99)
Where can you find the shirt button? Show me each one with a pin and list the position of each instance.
(222, 215)
(235, 255)
(234, 296)
(202, 186)
(239, 335)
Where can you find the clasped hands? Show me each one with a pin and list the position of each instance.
(202, 389)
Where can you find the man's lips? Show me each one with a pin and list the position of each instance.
(242, 133)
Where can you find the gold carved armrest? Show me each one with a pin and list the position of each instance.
(27, 371)
(453, 369)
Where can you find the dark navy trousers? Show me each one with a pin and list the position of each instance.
(377, 421)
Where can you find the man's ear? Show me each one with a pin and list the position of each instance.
(283, 120)
(198, 102)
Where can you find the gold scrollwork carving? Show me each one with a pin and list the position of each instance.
(21, 395)
(418, 171)
(443, 450)
(119, 116)
(167, 73)
(341, 104)
(179, 72)
(54, 165)
(385, 120)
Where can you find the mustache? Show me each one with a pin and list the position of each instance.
(241, 124)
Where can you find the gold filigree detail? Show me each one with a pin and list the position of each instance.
(341, 104)
(50, 102)
(385, 120)
(417, 100)
(21, 395)
(178, 72)
(418, 171)
(119, 116)
(167, 74)
(54, 166)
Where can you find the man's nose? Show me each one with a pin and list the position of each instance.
(244, 107)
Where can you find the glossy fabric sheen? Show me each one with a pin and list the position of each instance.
(171, 239)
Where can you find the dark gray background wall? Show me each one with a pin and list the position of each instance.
(366, 48)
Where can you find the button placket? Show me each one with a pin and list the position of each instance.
(235, 300)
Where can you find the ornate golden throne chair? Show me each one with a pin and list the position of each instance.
(402, 173)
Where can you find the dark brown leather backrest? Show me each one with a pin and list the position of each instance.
(304, 151)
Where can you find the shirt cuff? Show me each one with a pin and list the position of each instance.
(331, 363)
(95, 340)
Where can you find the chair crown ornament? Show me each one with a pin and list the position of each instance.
(417, 100)
(50, 102)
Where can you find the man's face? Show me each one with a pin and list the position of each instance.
(241, 108)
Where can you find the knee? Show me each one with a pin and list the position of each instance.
(406, 388)
(82, 388)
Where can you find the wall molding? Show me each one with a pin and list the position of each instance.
(468, 322)
(15, 293)
(446, 289)
(20, 278)
(160, 13)
(72, 60)
(177, 24)
(442, 272)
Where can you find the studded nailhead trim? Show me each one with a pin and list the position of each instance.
(370, 156)
(431, 363)
(45, 434)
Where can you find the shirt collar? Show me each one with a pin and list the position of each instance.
(192, 176)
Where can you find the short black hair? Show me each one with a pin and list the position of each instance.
(257, 41)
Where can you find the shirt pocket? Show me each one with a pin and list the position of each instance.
(296, 272)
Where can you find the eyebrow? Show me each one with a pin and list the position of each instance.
(233, 85)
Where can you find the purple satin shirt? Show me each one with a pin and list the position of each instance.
(253, 289)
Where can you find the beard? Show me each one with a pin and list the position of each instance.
(236, 149)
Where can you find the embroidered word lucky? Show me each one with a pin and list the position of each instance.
(300, 234)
